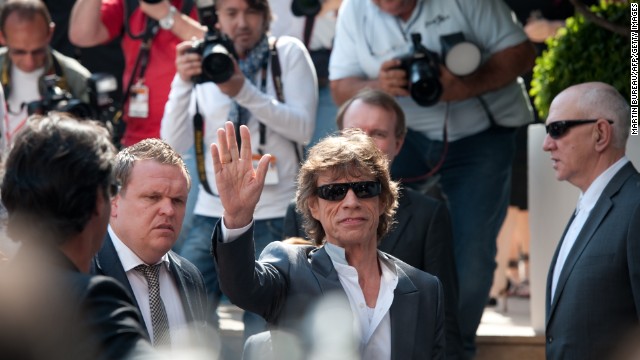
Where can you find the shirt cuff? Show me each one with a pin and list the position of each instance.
(229, 235)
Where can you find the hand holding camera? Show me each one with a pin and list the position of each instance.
(426, 76)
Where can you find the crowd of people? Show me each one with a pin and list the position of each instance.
(247, 122)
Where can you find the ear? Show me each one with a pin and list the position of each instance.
(399, 143)
(52, 27)
(3, 40)
(114, 206)
(602, 135)
(314, 207)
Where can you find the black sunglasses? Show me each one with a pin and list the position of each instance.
(338, 191)
(558, 128)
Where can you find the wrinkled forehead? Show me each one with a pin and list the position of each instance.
(344, 173)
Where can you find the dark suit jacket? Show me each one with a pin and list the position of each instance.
(597, 297)
(186, 276)
(422, 237)
(61, 313)
(289, 278)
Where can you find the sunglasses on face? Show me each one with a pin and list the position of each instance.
(557, 129)
(338, 191)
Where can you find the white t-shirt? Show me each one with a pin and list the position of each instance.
(16, 111)
(292, 121)
(366, 37)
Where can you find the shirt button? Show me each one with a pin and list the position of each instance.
(550, 339)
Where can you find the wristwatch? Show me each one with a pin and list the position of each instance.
(168, 21)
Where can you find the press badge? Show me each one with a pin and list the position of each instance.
(272, 172)
(139, 101)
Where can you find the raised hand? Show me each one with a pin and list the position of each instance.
(239, 184)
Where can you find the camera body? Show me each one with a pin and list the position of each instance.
(423, 73)
(101, 88)
(217, 49)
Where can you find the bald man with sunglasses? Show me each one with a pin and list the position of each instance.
(348, 201)
(593, 285)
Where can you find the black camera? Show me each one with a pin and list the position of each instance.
(423, 73)
(217, 49)
(100, 86)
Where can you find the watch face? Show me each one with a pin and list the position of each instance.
(167, 21)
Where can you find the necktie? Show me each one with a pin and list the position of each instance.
(159, 321)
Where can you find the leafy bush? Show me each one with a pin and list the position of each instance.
(581, 52)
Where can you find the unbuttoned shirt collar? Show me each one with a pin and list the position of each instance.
(373, 325)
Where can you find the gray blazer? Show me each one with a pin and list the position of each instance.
(289, 278)
(597, 299)
(186, 276)
(422, 237)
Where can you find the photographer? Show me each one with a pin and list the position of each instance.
(282, 119)
(152, 29)
(479, 111)
(27, 59)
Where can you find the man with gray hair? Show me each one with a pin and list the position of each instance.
(348, 201)
(593, 286)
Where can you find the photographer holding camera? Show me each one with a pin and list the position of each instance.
(464, 129)
(152, 29)
(28, 64)
(240, 74)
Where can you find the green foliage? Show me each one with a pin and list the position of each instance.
(581, 52)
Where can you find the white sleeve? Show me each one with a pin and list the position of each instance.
(229, 235)
(344, 61)
(176, 127)
(295, 118)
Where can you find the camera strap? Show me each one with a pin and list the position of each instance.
(443, 155)
(198, 141)
(276, 75)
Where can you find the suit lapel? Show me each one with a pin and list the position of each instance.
(108, 263)
(403, 217)
(597, 215)
(184, 282)
(403, 319)
(325, 272)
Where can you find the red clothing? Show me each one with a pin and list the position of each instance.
(160, 69)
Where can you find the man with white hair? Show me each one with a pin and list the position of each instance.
(593, 286)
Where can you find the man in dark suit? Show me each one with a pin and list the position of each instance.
(348, 201)
(593, 287)
(57, 190)
(421, 235)
(146, 218)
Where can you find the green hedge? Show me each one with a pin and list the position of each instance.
(581, 52)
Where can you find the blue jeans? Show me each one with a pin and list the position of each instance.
(325, 116)
(265, 232)
(190, 161)
(476, 178)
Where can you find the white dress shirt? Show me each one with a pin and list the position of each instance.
(168, 291)
(372, 324)
(586, 202)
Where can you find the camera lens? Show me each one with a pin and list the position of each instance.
(424, 85)
(217, 64)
